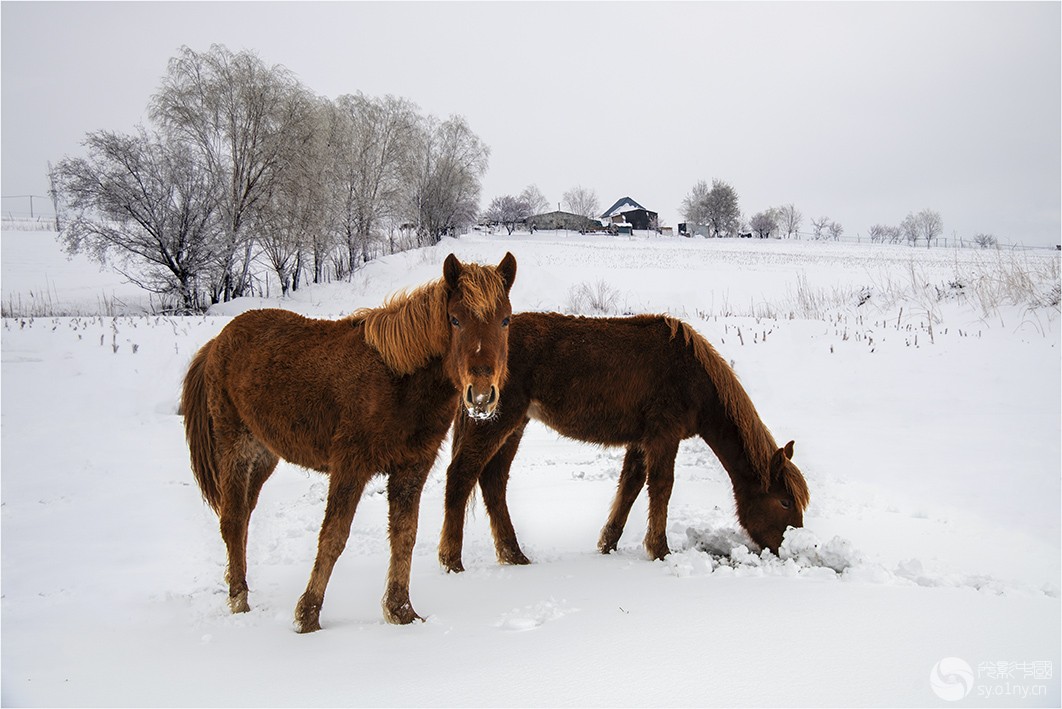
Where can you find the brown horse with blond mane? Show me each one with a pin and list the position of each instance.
(372, 393)
(644, 382)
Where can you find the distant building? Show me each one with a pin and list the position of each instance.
(563, 220)
(627, 211)
(690, 229)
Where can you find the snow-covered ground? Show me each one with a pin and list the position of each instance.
(928, 429)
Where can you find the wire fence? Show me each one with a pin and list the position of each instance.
(956, 242)
(26, 206)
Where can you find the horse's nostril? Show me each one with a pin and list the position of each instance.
(493, 395)
(468, 395)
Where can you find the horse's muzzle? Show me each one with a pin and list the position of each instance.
(482, 404)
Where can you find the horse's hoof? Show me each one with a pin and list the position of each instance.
(310, 626)
(238, 603)
(514, 557)
(307, 616)
(609, 540)
(451, 566)
(402, 615)
(657, 552)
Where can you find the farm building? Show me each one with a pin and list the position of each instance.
(563, 220)
(627, 211)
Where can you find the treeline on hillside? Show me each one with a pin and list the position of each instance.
(241, 163)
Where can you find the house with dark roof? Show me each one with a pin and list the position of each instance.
(627, 211)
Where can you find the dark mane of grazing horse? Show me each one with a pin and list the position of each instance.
(633, 382)
(372, 393)
(759, 443)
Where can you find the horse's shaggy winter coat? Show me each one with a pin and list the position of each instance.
(373, 393)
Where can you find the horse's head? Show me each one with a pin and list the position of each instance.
(479, 311)
(778, 504)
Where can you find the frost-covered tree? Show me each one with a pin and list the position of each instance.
(536, 201)
(374, 145)
(443, 177)
(293, 224)
(145, 203)
(985, 240)
(695, 204)
(447, 163)
(507, 211)
(723, 212)
(789, 220)
(909, 229)
(582, 201)
(836, 231)
(239, 115)
(820, 227)
(764, 223)
(717, 208)
(879, 234)
(929, 226)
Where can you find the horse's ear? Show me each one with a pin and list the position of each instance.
(779, 458)
(451, 271)
(507, 270)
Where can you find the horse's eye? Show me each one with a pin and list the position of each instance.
(454, 321)
(787, 504)
(505, 322)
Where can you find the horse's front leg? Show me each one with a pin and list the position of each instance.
(475, 442)
(493, 481)
(404, 487)
(344, 491)
(461, 477)
(660, 470)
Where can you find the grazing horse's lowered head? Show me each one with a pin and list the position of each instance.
(767, 511)
(478, 311)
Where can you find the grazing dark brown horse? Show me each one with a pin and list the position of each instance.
(373, 393)
(645, 382)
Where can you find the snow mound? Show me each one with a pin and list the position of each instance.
(535, 615)
(725, 551)
(804, 548)
(801, 550)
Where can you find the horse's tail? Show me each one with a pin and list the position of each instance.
(199, 429)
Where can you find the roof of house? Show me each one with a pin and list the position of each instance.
(623, 205)
(558, 213)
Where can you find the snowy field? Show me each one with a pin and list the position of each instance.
(926, 421)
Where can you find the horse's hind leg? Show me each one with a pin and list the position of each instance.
(493, 482)
(631, 480)
(260, 472)
(660, 467)
(246, 465)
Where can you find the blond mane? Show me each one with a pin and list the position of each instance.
(412, 327)
(759, 443)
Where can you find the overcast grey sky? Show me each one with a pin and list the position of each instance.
(861, 112)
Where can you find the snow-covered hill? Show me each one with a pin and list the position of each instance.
(926, 421)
